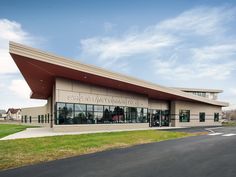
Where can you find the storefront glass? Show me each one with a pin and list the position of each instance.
(68, 113)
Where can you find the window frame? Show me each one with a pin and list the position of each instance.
(204, 116)
(181, 113)
(216, 117)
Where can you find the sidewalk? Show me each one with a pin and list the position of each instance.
(44, 131)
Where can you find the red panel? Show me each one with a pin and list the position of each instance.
(40, 77)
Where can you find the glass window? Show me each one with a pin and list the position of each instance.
(117, 114)
(90, 117)
(80, 114)
(42, 118)
(46, 118)
(70, 108)
(131, 114)
(65, 113)
(80, 118)
(184, 115)
(98, 108)
(142, 115)
(216, 117)
(165, 118)
(202, 116)
(156, 117)
(60, 106)
(106, 107)
(145, 110)
(98, 116)
(89, 107)
(112, 108)
(121, 114)
(70, 113)
(80, 107)
(107, 115)
(25, 119)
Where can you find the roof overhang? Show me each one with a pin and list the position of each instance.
(40, 70)
(199, 90)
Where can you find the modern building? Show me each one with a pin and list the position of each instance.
(85, 97)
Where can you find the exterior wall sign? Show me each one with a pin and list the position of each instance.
(74, 97)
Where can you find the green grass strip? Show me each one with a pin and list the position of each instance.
(7, 129)
(20, 152)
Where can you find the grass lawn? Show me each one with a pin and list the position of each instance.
(19, 152)
(7, 129)
(229, 124)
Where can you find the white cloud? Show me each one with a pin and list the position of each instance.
(14, 90)
(196, 48)
(197, 39)
(201, 20)
(171, 69)
(116, 48)
(215, 52)
(10, 31)
(20, 88)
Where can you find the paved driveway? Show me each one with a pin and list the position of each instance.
(206, 155)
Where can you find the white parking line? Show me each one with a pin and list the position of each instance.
(230, 134)
(212, 129)
(213, 134)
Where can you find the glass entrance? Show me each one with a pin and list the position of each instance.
(165, 118)
(159, 118)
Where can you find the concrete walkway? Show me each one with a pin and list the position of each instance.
(44, 131)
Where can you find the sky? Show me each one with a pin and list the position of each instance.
(172, 43)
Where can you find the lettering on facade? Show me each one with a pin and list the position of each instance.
(86, 98)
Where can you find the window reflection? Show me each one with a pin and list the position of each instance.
(68, 113)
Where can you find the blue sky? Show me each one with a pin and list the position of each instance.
(172, 43)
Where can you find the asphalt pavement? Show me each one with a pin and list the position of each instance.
(212, 155)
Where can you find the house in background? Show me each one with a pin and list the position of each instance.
(13, 114)
(3, 114)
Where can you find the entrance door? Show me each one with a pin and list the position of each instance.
(165, 118)
(159, 118)
(156, 117)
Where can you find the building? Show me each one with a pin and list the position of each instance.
(3, 114)
(85, 97)
(13, 114)
(207, 93)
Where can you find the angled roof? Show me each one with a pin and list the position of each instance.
(198, 90)
(13, 111)
(41, 68)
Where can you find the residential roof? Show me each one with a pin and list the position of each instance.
(13, 111)
(41, 68)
